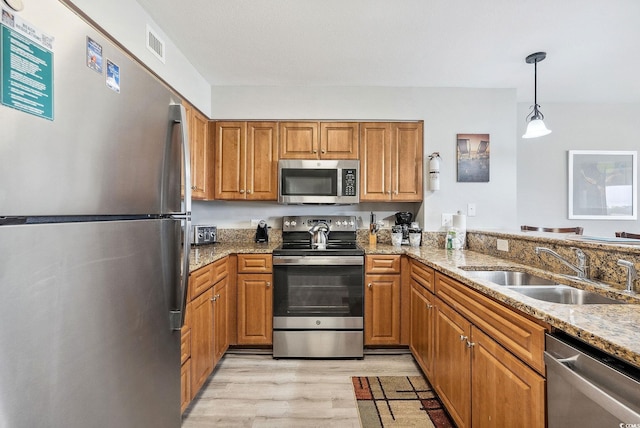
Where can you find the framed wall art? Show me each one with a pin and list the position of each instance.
(603, 185)
(473, 155)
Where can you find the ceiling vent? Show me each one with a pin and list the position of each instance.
(155, 44)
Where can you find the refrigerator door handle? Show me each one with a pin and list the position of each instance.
(177, 114)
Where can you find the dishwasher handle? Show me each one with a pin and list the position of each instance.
(562, 367)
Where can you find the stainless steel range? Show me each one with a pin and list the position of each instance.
(318, 289)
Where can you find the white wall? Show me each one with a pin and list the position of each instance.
(446, 112)
(543, 162)
(126, 21)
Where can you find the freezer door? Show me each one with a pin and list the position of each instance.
(86, 339)
(103, 152)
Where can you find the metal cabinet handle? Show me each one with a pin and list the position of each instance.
(248, 192)
(429, 306)
(268, 284)
(241, 190)
(463, 337)
(324, 151)
(214, 298)
(470, 344)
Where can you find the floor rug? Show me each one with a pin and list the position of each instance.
(398, 401)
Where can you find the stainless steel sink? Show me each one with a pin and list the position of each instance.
(507, 277)
(541, 288)
(564, 294)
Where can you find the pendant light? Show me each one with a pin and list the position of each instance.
(535, 127)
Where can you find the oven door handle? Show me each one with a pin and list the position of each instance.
(318, 260)
(563, 367)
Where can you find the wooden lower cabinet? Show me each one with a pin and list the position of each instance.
(422, 327)
(205, 335)
(481, 357)
(255, 299)
(382, 310)
(220, 319)
(504, 391)
(255, 309)
(185, 385)
(201, 339)
(382, 296)
(452, 363)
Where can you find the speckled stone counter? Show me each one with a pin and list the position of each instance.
(202, 255)
(611, 328)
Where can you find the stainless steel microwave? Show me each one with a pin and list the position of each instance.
(318, 181)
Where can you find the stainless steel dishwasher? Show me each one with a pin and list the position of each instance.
(589, 388)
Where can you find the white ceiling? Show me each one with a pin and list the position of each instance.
(593, 46)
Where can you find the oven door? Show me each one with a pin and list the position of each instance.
(321, 292)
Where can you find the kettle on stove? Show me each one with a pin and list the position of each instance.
(319, 235)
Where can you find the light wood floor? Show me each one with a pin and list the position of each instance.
(258, 391)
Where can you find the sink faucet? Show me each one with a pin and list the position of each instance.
(582, 269)
(632, 274)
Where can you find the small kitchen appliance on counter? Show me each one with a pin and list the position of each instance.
(203, 235)
(403, 222)
(262, 232)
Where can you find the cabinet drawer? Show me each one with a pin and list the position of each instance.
(220, 269)
(185, 345)
(423, 275)
(383, 264)
(254, 263)
(200, 280)
(523, 337)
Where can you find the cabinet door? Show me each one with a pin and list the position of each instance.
(230, 145)
(262, 161)
(201, 156)
(255, 309)
(375, 162)
(201, 339)
(185, 385)
(220, 319)
(422, 339)
(339, 140)
(453, 363)
(406, 161)
(382, 310)
(298, 140)
(505, 391)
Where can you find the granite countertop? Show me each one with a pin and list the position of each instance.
(202, 255)
(611, 328)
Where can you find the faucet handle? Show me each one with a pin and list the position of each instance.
(632, 274)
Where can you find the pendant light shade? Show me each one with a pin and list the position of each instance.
(535, 126)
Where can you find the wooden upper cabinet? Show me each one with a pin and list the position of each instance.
(391, 161)
(298, 140)
(262, 161)
(246, 156)
(406, 157)
(201, 152)
(375, 162)
(319, 140)
(339, 140)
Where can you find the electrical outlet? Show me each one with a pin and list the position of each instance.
(447, 220)
(255, 221)
(471, 209)
(503, 245)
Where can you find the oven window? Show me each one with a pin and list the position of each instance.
(318, 291)
(309, 182)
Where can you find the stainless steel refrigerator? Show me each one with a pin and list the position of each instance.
(93, 254)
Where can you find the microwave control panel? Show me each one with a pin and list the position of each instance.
(349, 182)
